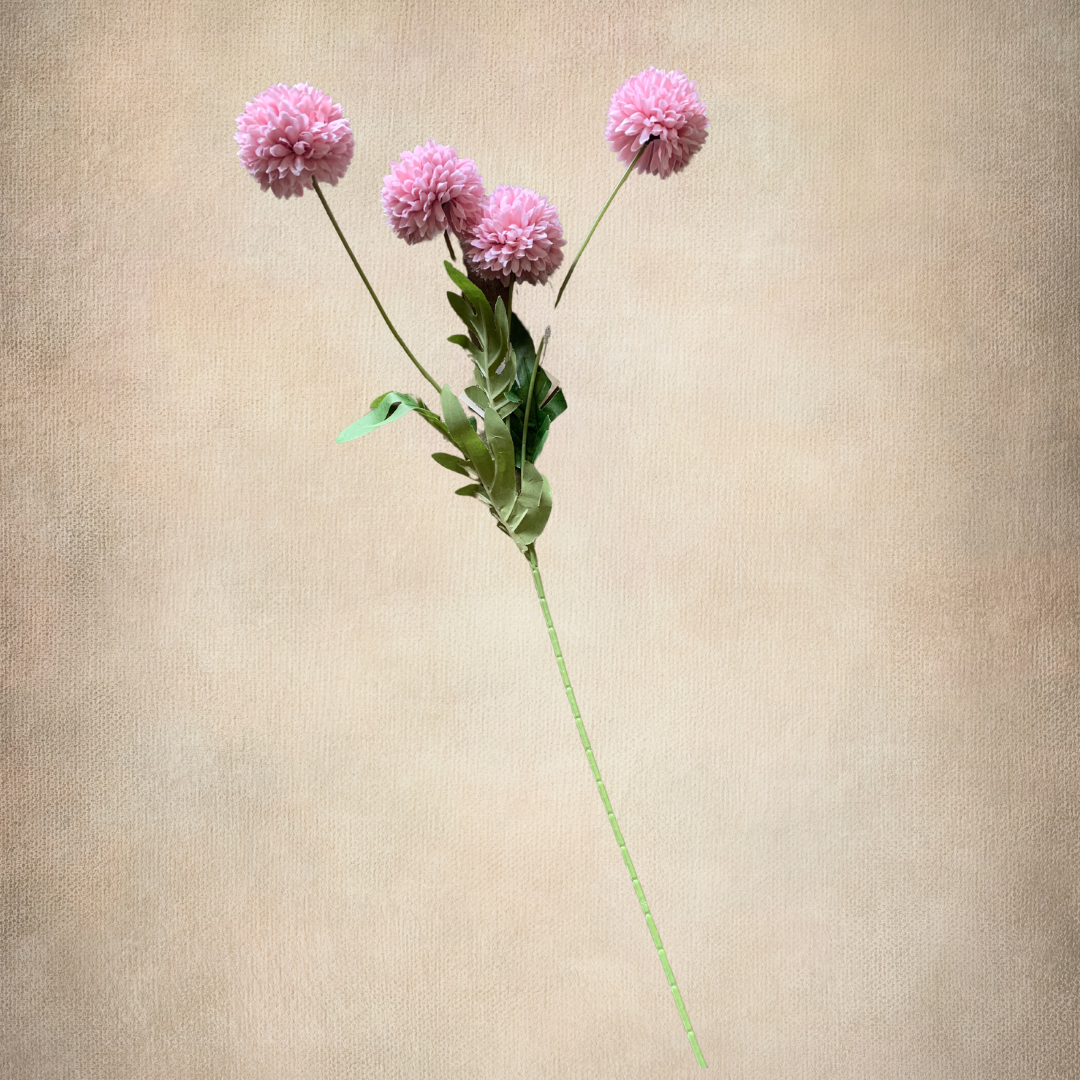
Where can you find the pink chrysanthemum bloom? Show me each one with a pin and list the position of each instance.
(431, 190)
(289, 134)
(518, 238)
(662, 106)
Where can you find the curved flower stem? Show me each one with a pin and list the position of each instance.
(449, 246)
(611, 813)
(581, 250)
(363, 278)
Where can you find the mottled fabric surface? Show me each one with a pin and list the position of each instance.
(290, 786)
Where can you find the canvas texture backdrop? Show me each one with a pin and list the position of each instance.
(290, 785)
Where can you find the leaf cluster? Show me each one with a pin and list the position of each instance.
(500, 461)
(488, 342)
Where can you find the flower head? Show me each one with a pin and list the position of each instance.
(661, 106)
(289, 134)
(431, 190)
(518, 238)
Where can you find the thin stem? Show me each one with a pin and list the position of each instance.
(581, 251)
(611, 813)
(529, 397)
(363, 278)
(449, 246)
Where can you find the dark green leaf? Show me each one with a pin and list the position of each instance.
(556, 404)
(540, 416)
(470, 490)
(522, 344)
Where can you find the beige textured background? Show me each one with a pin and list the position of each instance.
(290, 788)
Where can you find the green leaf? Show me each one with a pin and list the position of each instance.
(384, 409)
(462, 433)
(522, 343)
(470, 490)
(464, 310)
(536, 517)
(556, 404)
(532, 486)
(495, 362)
(478, 397)
(470, 291)
(504, 487)
(503, 328)
(434, 421)
(462, 340)
(540, 415)
(454, 464)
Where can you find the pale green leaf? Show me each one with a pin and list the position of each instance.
(385, 409)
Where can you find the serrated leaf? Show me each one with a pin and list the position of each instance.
(454, 464)
(462, 340)
(466, 437)
(495, 361)
(503, 489)
(385, 409)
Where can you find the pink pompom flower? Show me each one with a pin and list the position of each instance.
(662, 106)
(288, 135)
(431, 190)
(519, 237)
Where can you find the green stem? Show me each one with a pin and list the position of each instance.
(611, 813)
(529, 397)
(566, 280)
(363, 278)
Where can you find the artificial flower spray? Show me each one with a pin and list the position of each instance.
(293, 139)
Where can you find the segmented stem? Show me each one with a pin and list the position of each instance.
(611, 813)
(363, 278)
